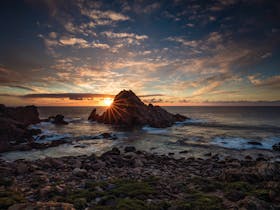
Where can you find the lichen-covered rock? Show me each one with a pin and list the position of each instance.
(128, 110)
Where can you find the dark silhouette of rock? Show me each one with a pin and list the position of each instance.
(255, 143)
(58, 120)
(276, 147)
(92, 115)
(13, 126)
(128, 110)
(26, 115)
(129, 149)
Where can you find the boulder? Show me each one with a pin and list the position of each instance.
(276, 147)
(58, 120)
(26, 115)
(128, 110)
(129, 149)
(13, 125)
(11, 133)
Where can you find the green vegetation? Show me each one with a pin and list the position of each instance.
(199, 201)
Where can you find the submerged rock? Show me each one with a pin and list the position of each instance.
(128, 110)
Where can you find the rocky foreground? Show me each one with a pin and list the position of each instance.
(137, 180)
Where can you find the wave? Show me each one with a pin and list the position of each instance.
(243, 143)
(204, 123)
(153, 130)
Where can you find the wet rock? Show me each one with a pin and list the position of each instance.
(111, 156)
(130, 149)
(106, 135)
(128, 110)
(93, 116)
(255, 143)
(58, 120)
(248, 157)
(276, 147)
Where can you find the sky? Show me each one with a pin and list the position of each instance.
(173, 52)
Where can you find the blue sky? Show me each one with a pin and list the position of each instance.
(169, 52)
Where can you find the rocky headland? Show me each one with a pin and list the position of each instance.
(135, 180)
(128, 110)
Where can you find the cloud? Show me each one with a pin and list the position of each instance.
(273, 81)
(124, 38)
(74, 41)
(181, 40)
(150, 95)
(266, 55)
(103, 17)
(82, 43)
(21, 87)
(71, 96)
(207, 88)
(100, 45)
(111, 34)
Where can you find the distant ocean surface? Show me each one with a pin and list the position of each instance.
(222, 130)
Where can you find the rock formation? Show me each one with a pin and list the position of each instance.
(58, 120)
(128, 110)
(26, 115)
(13, 125)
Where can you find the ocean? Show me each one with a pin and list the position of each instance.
(223, 130)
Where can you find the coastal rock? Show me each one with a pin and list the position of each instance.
(12, 133)
(129, 149)
(255, 143)
(128, 110)
(26, 115)
(13, 126)
(80, 172)
(58, 120)
(276, 147)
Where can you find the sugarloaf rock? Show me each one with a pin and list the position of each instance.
(128, 110)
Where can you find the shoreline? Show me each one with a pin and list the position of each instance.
(188, 150)
(133, 179)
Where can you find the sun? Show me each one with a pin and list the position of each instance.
(107, 101)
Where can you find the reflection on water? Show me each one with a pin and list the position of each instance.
(224, 130)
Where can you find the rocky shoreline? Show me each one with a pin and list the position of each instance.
(131, 179)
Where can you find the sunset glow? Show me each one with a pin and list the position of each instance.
(108, 101)
(172, 53)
